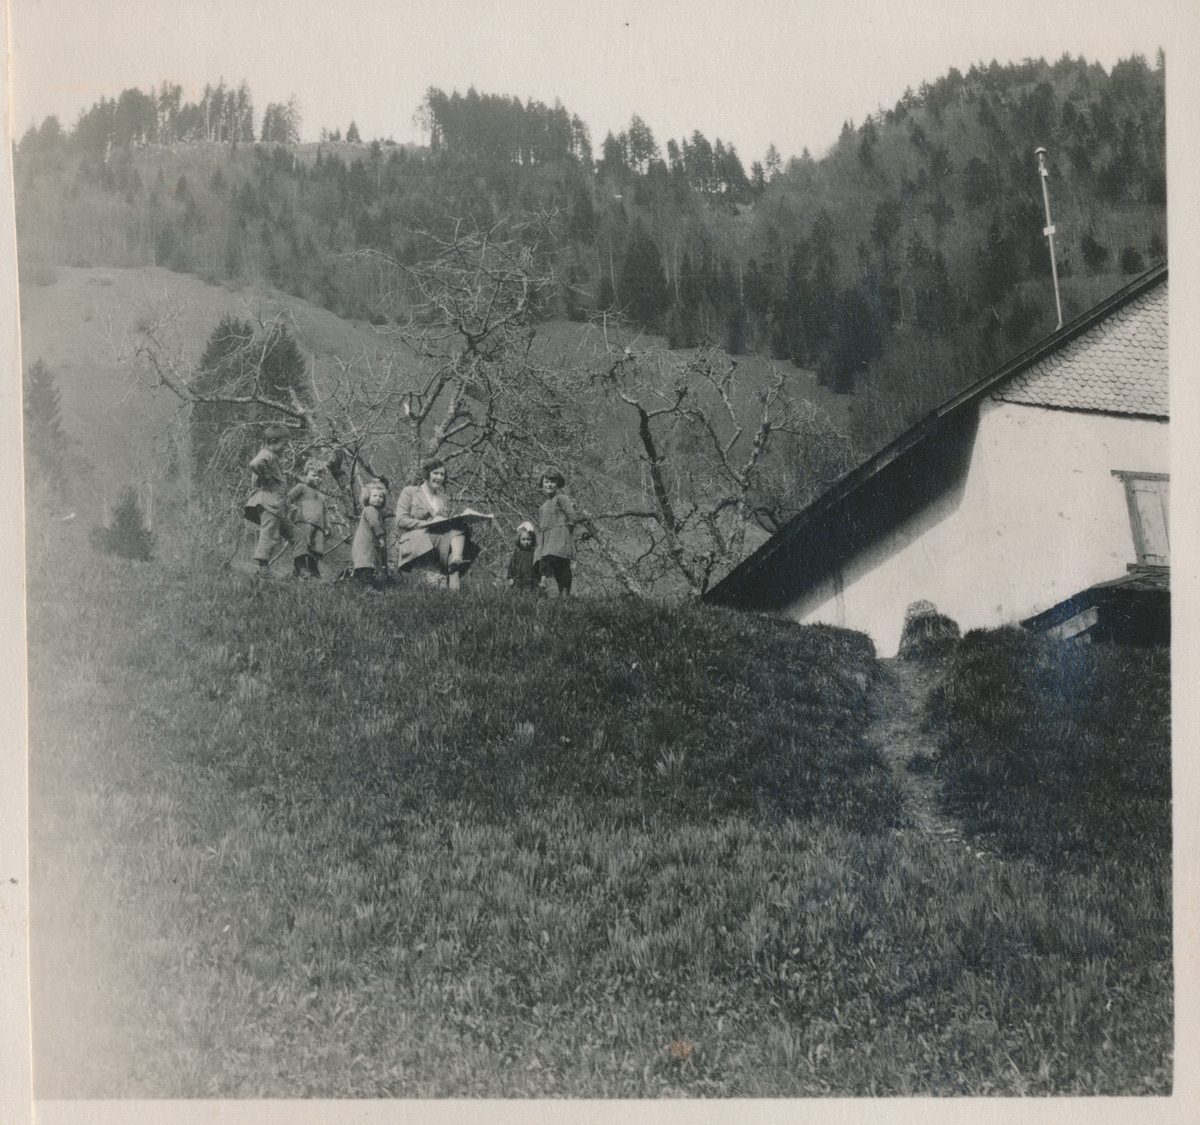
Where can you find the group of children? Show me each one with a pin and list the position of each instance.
(542, 551)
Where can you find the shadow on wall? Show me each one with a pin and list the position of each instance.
(880, 518)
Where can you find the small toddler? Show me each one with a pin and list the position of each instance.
(368, 552)
(522, 574)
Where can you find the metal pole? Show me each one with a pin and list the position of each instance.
(1049, 230)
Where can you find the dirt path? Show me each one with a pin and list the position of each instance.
(900, 732)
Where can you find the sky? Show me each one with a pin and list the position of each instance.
(750, 72)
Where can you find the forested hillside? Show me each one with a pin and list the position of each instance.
(902, 263)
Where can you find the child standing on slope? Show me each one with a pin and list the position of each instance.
(555, 532)
(265, 504)
(368, 552)
(308, 504)
(522, 574)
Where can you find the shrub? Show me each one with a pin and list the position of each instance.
(927, 633)
(1057, 748)
(1095, 253)
(127, 535)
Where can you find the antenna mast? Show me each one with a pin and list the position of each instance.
(1048, 231)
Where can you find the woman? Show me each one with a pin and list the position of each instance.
(420, 505)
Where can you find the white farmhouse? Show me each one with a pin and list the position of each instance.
(1037, 495)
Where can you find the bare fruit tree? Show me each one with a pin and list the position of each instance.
(706, 458)
(676, 459)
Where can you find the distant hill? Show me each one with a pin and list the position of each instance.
(75, 320)
(898, 265)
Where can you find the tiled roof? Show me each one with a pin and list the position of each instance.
(1118, 366)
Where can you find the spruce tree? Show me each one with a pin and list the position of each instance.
(45, 441)
(240, 360)
(127, 534)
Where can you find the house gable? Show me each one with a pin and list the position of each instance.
(1026, 509)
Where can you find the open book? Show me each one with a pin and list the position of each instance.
(460, 521)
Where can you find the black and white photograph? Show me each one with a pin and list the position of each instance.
(600, 554)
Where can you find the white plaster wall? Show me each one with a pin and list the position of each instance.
(1039, 518)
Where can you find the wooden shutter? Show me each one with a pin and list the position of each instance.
(1148, 497)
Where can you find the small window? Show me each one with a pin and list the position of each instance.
(1148, 497)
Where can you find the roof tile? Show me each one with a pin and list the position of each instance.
(1118, 365)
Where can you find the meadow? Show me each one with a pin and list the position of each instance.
(306, 840)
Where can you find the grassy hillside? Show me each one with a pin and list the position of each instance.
(76, 319)
(1059, 750)
(299, 840)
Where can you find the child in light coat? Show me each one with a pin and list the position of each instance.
(368, 552)
(555, 532)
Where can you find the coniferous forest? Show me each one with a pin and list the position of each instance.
(899, 265)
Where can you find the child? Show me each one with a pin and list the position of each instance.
(309, 508)
(368, 552)
(522, 574)
(555, 533)
(265, 505)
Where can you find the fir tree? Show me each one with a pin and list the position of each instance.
(127, 535)
(45, 441)
(244, 360)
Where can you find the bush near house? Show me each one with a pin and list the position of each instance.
(1058, 749)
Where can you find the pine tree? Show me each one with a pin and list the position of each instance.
(45, 441)
(127, 535)
(772, 162)
(242, 360)
(643, 280)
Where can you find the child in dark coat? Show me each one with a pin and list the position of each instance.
(555, 532)
(522, 574)
(266, 502)
(308, 504)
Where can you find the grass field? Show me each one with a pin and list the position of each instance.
(296, 840)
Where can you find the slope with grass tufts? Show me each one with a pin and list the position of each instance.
(1057, 749)
(295, 840)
